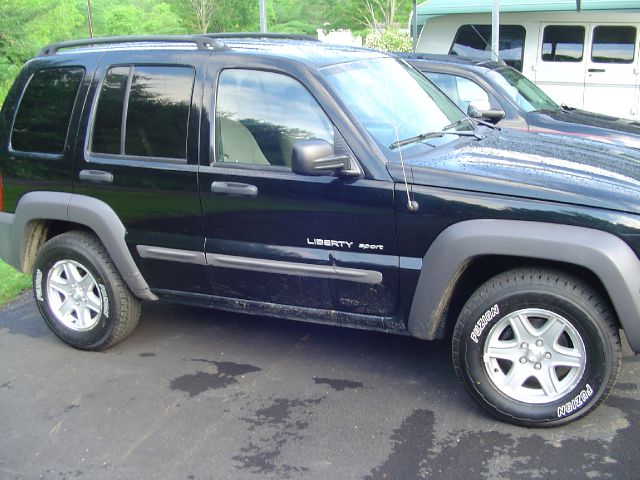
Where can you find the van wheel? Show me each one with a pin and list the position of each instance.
(537, 348)
(80, 293)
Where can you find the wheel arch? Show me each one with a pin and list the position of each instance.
(453, 259)
(41, 215)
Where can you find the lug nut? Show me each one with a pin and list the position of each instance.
(524, 345)
(547, 355)
(537, 366)
(539, 342)
(523, 360)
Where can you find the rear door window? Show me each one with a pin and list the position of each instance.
(474, 41)
(42, 120)
(613, 44)
(143, 111)
(563, 43)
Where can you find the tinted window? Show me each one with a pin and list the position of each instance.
(474, 41)
(157, 113)
(42, 120)
(107, 133)
(562, 43)
(613, 44)
(260, 115)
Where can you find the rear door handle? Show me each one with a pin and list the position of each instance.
(96, 176)
(596, 70)
(234, 188)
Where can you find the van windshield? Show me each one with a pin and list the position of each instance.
(526, 94)
(396, 104)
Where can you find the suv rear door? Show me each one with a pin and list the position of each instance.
(320, 242)
(140, 157)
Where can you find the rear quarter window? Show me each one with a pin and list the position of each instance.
(42, 120)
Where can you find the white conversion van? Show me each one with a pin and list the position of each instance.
(586, 59)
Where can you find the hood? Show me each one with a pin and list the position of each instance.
(538, 166)
(591, 125)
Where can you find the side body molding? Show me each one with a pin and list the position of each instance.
(87, 211)
(607, 256)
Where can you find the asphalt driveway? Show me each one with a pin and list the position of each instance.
(197, 394)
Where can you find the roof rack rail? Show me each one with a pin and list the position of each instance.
(265, 35)
(202, 42)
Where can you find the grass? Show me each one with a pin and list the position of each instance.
(11, 283)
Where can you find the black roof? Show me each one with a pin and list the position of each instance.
(451, 60)
(296, 47)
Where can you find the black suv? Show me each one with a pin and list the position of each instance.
(496, 92)
(284, 177)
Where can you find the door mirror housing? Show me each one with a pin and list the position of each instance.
(316, 157)
(481, 109)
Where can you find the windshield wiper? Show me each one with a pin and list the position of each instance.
(441, 133)
(457, 123)
(417, 138)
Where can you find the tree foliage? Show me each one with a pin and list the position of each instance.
(28, 25)
(389, 40)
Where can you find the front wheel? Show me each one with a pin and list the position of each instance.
(537, 347)
(80, 293)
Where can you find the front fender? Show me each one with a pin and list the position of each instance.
(607, 256)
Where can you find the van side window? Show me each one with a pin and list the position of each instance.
(474, 41)
(42, 120)
(563, 43)
(150, 104)
(260, 115)
(613, 44)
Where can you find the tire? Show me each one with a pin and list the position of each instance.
(537, 348)
(93, 311)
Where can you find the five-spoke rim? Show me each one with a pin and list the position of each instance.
(73, 295)
(534, 356)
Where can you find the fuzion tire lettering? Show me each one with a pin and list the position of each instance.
(484, 321)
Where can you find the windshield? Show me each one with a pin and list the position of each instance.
(525, 93)
(385, 94)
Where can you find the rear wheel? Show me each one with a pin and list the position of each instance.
(80, 293)
(537, 347)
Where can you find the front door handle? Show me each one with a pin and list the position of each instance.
(596, 70)
(234, 188)
(96, 176)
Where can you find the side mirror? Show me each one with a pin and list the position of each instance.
(316, 157)
(481, 109)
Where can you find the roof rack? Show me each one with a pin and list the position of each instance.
(258, 35)
(202, 42)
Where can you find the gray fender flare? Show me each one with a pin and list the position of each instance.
(87, 211)
(607, 256)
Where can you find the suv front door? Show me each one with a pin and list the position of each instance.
(272, 236)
